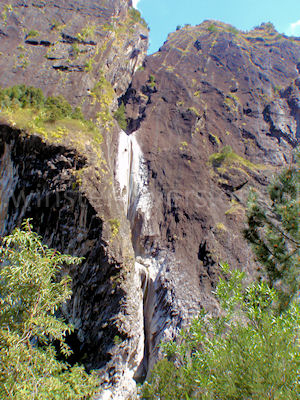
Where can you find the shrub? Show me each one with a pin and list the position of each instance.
(120, 116)
(32, 288)
(233, 30)
(75, 50)
(89, 65)
(22, 96)
(247, 352)
(228, 157)
(217, 158)
(58, 108)
(269, 26)
(136, 17)
(152, 81)
(115, 226)
(54, 107)
(55, 25)
(212, 28)
(33, 33)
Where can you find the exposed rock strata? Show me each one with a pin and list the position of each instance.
(64, 46)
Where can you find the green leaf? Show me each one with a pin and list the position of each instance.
(33, 287)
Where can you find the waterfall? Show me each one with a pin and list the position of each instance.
(153, 275)
(132, 176)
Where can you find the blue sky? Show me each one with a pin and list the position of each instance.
(164, 15)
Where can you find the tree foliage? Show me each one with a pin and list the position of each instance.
(120, 116)
(53, 107)
(248, 352)
(32, 288)
(273, 231)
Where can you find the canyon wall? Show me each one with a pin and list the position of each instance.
(155, 207)
(215, 112)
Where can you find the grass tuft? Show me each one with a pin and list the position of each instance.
(227, 157)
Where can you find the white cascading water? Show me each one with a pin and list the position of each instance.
(132, 177)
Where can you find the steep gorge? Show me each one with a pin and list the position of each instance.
(153, 209)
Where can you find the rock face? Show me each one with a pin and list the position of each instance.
(215, 111)
(154, 209)
(40, 181)
(63, 46)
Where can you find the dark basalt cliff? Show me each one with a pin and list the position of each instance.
(216, 111)
(153, 210)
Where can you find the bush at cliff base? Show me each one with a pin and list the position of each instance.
(32, 288)
(249, 352)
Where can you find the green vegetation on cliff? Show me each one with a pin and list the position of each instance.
(53, 108)
(26, 107)
(135, 17)
(227, 157)
(103, 95)
(120, 116)
(32, 288)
